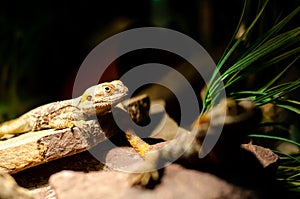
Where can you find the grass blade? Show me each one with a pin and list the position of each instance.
(274, 138)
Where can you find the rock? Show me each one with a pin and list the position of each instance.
(37, 177)
(70, 184)
(10, 189)
(258, 165)
(265, 156)
(178, 182)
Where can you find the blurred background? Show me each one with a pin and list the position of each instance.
(43, 43)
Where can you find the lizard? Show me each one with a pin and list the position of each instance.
(69, 113)
(235, 116)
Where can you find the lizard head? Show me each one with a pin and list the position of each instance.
(99, 99)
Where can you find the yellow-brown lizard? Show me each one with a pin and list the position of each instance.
(235, 116)
(97, 99)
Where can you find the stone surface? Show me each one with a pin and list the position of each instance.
(178, 182)
(175, 183)
(10, 190)
(36, 178)
(265, 156)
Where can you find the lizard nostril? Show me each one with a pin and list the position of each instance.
(89, 97)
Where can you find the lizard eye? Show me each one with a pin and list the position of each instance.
(107, 89)
(89, 98)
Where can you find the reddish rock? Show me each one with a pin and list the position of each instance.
(178, 182)
(10, 190)
(265, 156)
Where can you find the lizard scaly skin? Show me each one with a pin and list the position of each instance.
(97, 99)
(228, 112)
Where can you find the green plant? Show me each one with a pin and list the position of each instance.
(256, 58)
(279, 46)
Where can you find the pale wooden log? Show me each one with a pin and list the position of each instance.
(34, 148)
(38, 147)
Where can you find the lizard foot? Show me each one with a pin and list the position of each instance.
(80, 124)
(144, 178)
(61, 124)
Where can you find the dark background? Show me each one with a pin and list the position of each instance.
(43, 43)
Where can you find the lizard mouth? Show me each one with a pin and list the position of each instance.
(117, 99)
(112, 100)
(107, 105)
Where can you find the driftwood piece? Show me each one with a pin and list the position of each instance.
(138, 108)
(34, 148)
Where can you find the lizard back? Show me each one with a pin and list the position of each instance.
(38, 118)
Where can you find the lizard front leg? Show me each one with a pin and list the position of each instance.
(68, 120)
(148, 170)
(157, 158)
